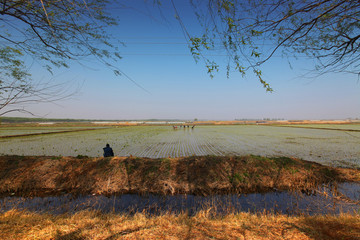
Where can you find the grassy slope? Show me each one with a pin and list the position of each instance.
(192, 175)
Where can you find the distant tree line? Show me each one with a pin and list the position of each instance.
(259, 119)
(57, 120)
(24, 119)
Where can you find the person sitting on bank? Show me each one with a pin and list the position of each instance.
(108, 152)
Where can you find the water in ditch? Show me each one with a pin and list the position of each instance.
(325, 200)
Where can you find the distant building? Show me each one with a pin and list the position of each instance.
(105, 122)
(155, 123)
(176, 123)
(136, 122)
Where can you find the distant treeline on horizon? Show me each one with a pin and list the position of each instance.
(259, 119)
(24, 120)
(69, 120)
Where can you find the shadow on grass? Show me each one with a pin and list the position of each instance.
(126, 232)
(330, 227)
(74, 235)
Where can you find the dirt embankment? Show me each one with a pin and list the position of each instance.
(205, 175)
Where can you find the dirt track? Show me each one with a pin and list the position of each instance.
(37, 176)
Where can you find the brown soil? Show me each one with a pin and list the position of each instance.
(200, 175)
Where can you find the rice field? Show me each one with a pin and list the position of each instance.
(332, 148)
(13, 131)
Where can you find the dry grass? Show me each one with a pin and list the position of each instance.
(94, 225)
(203, 175)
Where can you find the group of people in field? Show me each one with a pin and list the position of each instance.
(184, 126)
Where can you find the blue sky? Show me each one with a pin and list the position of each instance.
(157, 57)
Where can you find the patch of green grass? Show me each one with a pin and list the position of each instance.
(284, 162)
(308, 166)
(237, 178)
(256, 157)
(293, 170)
(328, 173)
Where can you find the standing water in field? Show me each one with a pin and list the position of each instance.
(345, 198)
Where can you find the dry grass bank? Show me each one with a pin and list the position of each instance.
(94, 225)
(203, 175)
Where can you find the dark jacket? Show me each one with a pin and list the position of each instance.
(108, 152)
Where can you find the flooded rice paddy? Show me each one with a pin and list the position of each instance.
(332, 148)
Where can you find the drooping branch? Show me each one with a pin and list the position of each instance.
(53, 33)
(252, 32)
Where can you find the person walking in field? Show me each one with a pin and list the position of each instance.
(108, 152)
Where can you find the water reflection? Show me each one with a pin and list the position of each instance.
(326, 200)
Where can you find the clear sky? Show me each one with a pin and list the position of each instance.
(156, 56)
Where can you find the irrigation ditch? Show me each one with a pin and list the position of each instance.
(323, 200)
(221, 183)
